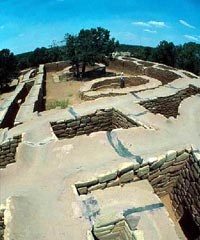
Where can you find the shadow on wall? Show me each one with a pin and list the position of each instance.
(189, 227)
(9, 119)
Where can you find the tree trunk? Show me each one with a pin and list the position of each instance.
(83, 69)
(77, 71)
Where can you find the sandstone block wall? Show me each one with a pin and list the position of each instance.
(115, 83)
(168, 106)
(101, 120)
(8, 151)
(34, 99)
(162, 172)
(2, 225)
(114, 229)
(11, 106)
(165, 76)
(134, 66)
(186, 192)
(128, 67)
(56, 66)
(30, 74)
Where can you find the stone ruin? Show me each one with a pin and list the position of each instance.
(103, 169)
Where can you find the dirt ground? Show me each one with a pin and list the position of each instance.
(67, 90)
(62, 90)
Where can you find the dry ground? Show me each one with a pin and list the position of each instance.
(57, 91)
(67, 90)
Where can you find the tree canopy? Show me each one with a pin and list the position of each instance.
(165, 53)
(8, 67)
(189, 57)
(89, 46)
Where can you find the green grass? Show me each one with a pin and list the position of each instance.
(62, 104)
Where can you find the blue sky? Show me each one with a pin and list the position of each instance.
(27, 24)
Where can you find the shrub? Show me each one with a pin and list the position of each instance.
(61, 104)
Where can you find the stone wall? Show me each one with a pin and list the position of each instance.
(114, 228)
(34, 100)
(101, 120)
(115, 83)
(134, 66)
(168, 106)
(128, 67)
(165, 76)
(2, 225)
(162, 172)
(11, 106)
(56, 66)
(8, 151)
(186, 193)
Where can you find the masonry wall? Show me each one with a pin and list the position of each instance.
(168, 106)
(8, 151)
(34, 100)
(14, 107)
(115, 83)
(101, 120)
(186, 193)
(116, 229)
(2, 226)
(162, 172)
(128, 67)
(56, 66)
(165, 76)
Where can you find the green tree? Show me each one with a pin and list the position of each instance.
(8, 67)
(165, 53)
(189, 57)
(72, 52)
(89, 46)
(38, 56)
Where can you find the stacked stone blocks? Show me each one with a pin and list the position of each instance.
(113, 227)
(186, 193)
(2, 225)
(162, 172)
(101, 120)
(168, 106)
(8, 151)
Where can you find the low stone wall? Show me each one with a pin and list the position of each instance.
(56, 66)
(115, 83)
(8, 151)
(162, 172)
(135, 66)
(168, 106)
(127, 66)
(34, 99)
(10, 107)
(165, 76)
(186, 193)
(2, 225)
(30, 74)
(101, 120)
(114, 228)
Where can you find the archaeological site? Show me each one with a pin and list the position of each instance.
(120, 164)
